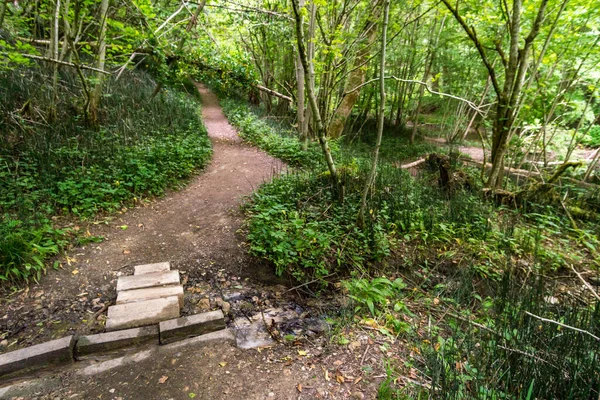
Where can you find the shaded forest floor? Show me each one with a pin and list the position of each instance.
(196, 229)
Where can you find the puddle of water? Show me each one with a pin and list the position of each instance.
(251, 335)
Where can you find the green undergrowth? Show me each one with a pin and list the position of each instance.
(480, 339)
(276, 139)
(52, 163)
(447, 270)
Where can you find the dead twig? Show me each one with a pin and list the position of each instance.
(587, 285)
(97, 313)
(563, 325)
(524, 353)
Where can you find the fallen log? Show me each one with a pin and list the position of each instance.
(273, 93)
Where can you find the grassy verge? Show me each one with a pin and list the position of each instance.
(51, 163)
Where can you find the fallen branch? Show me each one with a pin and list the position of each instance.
(274, 93)
(68, 64)
(563, 325)
(587, 285)
(524, 353)
(414, 163)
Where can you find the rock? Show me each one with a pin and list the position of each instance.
(148, 280)
(357, 396)
(232, 296)
(316, 325)
(226, 307)
(204, 304)
(132, 296)
(354, 345)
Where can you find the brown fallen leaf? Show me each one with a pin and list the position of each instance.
(163, 379)
(299, 387)
(126, 251)
(358, 380)
(340, 378)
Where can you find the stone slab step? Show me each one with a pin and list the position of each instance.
(148, 280)
(193, 325)
(111, 341)
(53, 353)
(142, 313)
(150, 268)
(132, 296)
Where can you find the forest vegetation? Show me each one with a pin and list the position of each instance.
(442, 162)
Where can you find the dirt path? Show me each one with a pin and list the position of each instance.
(195, 229)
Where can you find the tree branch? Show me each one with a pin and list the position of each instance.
(68, 64)
(274, 93)
(472, 105)
(473, 36)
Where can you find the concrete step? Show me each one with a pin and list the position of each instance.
(193, 325)
(135, 295)
(142, 313)
(148, 280)
(150, 268)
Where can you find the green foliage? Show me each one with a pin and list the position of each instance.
(23, 248)
(140, 149)
(515, 356)
(592, 139)
(278, 142)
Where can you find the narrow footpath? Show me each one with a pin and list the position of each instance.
(197, 230)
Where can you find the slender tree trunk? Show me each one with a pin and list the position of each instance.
(312, 26)
(54, 55)
(300, 93)
(355, 79)
(381, 116)
(67, 31)
(2, 12)
(312, 100)
(428, 64)
(97, 91)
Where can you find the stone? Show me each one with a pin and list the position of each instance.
(132, 296)
(150, 268)
(148, 280)
(226, 307)
(204, 304)
(142, 313)
(107, 342)
(53, 353)
(194, 325)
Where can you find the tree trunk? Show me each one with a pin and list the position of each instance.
(428, 64)
(2, 12)
(380, 119)
(355, 79)
(312, 100)
(97, 91)
(54, 55)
